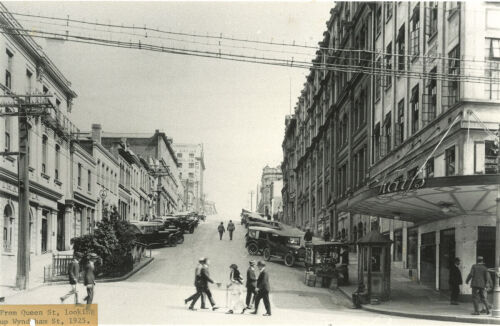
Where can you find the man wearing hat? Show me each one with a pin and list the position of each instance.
(199, 288)
(251, 283)
(263, 289)
(89, 277)
(73, 273)
(480, 280)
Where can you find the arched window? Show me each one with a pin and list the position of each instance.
(8, 222)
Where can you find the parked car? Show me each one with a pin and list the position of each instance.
(152, 233)
(175, 232)
(183, 223)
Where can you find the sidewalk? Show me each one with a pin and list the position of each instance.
(410, 299)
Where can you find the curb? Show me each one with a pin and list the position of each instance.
(477, 320)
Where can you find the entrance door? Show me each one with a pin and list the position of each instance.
(428, 259)
(486, 244)
(44, 232)
(446, 257)
(60, 227)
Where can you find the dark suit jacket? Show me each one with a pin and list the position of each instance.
(73, 271)
(251, 278)
(479, 275)
(205, 277)
(263, 281)
(455, 276)
(89, 274)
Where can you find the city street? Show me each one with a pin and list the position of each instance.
(155, 294)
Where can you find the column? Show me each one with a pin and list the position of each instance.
(68, 226)
(38, 231)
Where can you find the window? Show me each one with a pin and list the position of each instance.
(191, 175)
(179, 155)
(490, 157)
(453, 90)
(401, 48)
(8, 225)
(429, 168)
(57, 162)
(378, 22)
(431, 98)
(388, 132)
(450, 161)
(29, 81)
(432, 16)
(79, 181)
(415, 31)
(8, 71)
(388, 10)
(191, 165)
(388, 66)
(415, 108)
(492, 88)
(376, 142)
(191, 155)
(180, 165)
(45, 140)
(378, 78)
(8, 130)
(400, 124)
(89, 180)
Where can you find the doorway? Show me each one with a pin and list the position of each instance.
(428, 259)
(60, 227)
(45, 230)
(446, 257)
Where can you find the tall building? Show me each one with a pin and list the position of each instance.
(210, 208)
(192, 168)
(403, 139)
(269, 175)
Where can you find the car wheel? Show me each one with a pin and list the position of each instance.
(180, 239)
(253, 249)
(289, 259)
(191, 230)
(267, 254)
(172, 242)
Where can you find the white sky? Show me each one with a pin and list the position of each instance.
(236, 109)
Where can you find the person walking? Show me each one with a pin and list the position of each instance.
(236, 288)
(230, 229)
(308, 236)
(204, 280)
(221, 230)
(199, 290)
(251, 284)
(89, 277)
(73, 273)
(455, 280)
(263, 289)
(480, 280)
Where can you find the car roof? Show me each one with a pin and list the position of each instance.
(146, 223)
(286, 233)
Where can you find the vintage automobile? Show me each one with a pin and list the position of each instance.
(186, 224)
(152, 233)
(275, 243)
(177, 233)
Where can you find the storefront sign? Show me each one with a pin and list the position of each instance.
(401, 185)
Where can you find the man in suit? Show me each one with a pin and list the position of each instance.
(199, 289)
(230, 229)
(455, 280)
(73, 273)
(263, 289)
(221, 230)
(89, 277)
(204, 280)
(481, 279)
(251, 283)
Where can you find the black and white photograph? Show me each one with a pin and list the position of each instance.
(250, 163)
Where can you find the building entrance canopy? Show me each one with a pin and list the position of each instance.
(427, 200)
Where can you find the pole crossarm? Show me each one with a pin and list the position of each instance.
(10, 153)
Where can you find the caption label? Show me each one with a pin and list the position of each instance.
(53, 314)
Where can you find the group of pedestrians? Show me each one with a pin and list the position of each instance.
(257, 288)
(88, 263)
(230, 228)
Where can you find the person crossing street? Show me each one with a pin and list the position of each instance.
(251, 284)
(203, 283)
(73, 273)
(221, 230)
(230, 229)
(263, 289)
(199, 289)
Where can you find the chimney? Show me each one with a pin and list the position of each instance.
(96, 132)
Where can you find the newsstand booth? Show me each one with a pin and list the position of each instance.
(374, 266)
(321, 262)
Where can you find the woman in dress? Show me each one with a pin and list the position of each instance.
(236, 289)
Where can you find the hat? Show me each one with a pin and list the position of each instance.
(92, 256)
(261, 263)
(233, 266)
(252, 262)
(202, 260)
(78, 255)
(480, 259)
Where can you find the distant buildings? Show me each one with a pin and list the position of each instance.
(210, 208)
(192, 169)
(269, 175)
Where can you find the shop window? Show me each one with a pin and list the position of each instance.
(450, 161)
(398, 245)
(490, 157)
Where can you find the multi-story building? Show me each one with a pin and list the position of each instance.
(192, 168)
(269, 175)
(28, 70)
(210, 207)
(275, 190)
(401, 139)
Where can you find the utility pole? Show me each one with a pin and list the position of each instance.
(257, 199)
(495, 312)
(26, 109)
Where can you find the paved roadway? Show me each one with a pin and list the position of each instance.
(155, 294)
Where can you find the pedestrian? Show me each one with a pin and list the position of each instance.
(230, 229)
(251, 284)
(308, 236)
(73, 274)
(221, 230)
(480, 280)
(204, 280)
(236, 287)
(263, 289)
(199, 290)
(89, 277)
(326, 235)
(344, 262)
(455, 280)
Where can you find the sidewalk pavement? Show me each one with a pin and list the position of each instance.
(410, 299)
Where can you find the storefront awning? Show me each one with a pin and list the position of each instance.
(430, 199)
